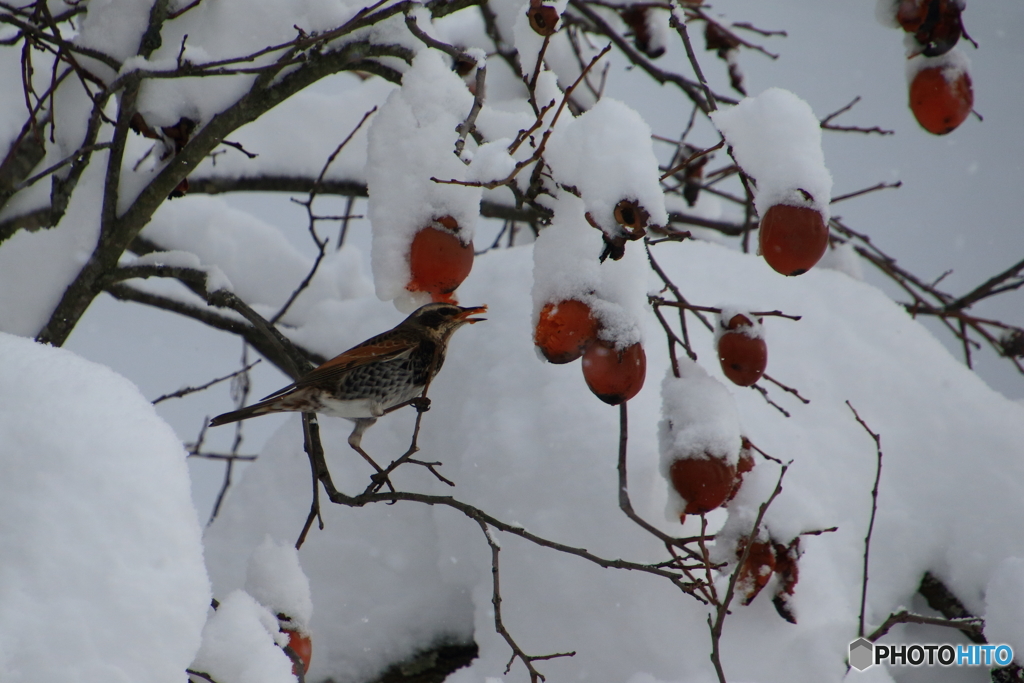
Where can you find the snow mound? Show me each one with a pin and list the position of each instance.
(529, 443)
(101, 565)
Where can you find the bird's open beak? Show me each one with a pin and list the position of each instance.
(468, 311)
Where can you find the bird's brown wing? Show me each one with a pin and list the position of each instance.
(383, 347)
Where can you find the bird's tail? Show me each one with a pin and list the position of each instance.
(262, 408)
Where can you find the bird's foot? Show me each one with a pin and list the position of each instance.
(420, 403)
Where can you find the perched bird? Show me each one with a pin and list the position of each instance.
(370, 379)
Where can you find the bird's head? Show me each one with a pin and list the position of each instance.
(442, 319)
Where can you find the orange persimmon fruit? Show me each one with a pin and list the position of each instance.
(438, 260)
(703, 482)
(756, 570)
(941, 98)
(564, 330)
(614, 376)
(302, 645)
(743, 358)
(792, 238)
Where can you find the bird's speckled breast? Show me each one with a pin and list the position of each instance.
(389, 383)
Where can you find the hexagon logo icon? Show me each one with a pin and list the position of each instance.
(862, 654)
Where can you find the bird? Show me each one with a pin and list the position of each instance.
(382, 374)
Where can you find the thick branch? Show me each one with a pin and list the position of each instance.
(254, 337)
(264, 95)
(344, 188)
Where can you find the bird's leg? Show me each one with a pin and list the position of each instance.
(355, 440)
(421, 403)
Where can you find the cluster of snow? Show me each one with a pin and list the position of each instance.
(275, 578)
(754, 330)
(658, 29)
(567, 266)
(699, 420)
(295, 138)
(215, 277)
(698, 417)
(606, 153)
(528, 43)
(101, 562)
(26, 299)
(605, 156)
(776, 139)
(243, 644)
(412, 140)
(1004, 605)
(243, 637)
(953, 64)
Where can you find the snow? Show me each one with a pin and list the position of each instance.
(253, 256)
(375, 610)
(658, 29)
(242, 644)
(754, 330)
(953, 64)
(776, 139)
(844, 258)
(492, 161)
(412, 139)
(699, 418)
(528, 442)
(528, 42)
(26, 300)
(275, 578)
(290, 139)
(566, 266)
(115, 27)
(102, 574)
(607, 154)
(1004, 603)
(215, 278)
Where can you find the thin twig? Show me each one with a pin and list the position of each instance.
(879, 186)
(871, 524)
(718, 623)
(499, 625)
(764, 394)
(659, 301)
(320, 243)
(191, 390)
(680, 28)
(973, 625)
(690, 159)
(624, 502)
(466, 127)
(785, 388)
